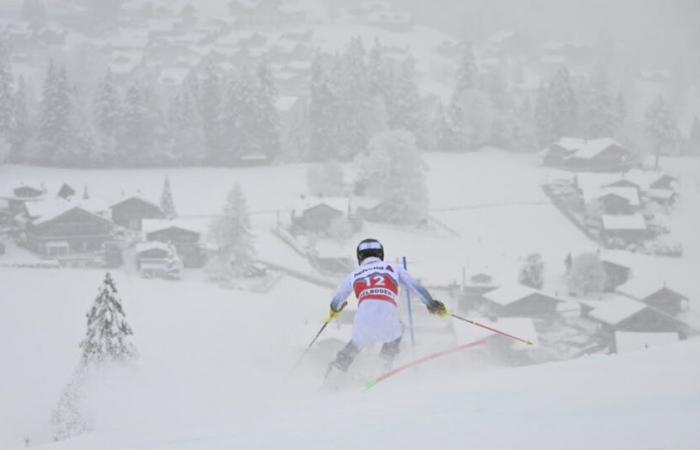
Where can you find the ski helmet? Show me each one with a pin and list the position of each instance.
(369, 247)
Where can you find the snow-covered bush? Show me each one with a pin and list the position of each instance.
(392, 171)
(587, 275)
(532, 272)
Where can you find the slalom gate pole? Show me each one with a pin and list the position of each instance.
(410, 310)
(370, 384)
(473, 322)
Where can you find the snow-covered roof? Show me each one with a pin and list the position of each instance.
(47, 210)
(628, 193)
(338, 203)
(196, 225)
(594, 147)
(570, 143)
(509, 294)
(642, 287)
(629, 341)
(628, 222)
(151, 245)
(126, 197)
(615, 309)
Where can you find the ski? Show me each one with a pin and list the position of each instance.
(370, 384)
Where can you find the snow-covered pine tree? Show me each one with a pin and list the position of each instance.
(442, 133)
(186, 135)
(239, 118)
(322, 111)
(693, 144)
(211, 91)
(231, 232)
(107, 107)
(22, 127)
(543, 115)
(661, 127)
(471, 111)
(403, 100)
(598, 108)
(67, 416)
(167, 204)
(268, 121)
(56, 135)
(138, 128)
(393, 172)
(562, 104)
(532, 272)
(108, 336)
(353, 100)
(376, 73)
(7, 112)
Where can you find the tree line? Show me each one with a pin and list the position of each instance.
(218, 117)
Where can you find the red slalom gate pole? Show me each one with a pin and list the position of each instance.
(391, 373)
(473, 322)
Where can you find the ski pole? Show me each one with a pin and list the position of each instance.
(313, 341)
(473, 322)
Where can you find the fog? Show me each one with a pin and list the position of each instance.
(187, 189)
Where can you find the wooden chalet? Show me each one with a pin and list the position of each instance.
(319, 214)
(184, 235)
(131, 211)
(625, 228)
(617, 313)
(517, 300)
(67, 229)
(603, 155)
(656, 294)
(600, 155)
(20, 195)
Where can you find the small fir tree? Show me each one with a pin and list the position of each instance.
(231, 232)
(661, 127)
(167, 204)
(108, 334)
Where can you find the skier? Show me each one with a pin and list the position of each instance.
(375, 284)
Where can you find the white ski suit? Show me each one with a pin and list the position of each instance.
(376, 286)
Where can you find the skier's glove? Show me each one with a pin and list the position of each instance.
(437, 308)
(333, 314)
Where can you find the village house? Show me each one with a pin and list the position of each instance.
(655, 293)
(323, 215)
(184, 235)
(64, 228)
(602, 155)
(473, 288)
(20, 195)
(617, 313)
(517, 300)
(132, 210)
(613, 200)
(624, 229)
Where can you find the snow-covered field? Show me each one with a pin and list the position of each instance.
(214, 363)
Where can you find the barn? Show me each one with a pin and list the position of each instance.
(516, 300)
(603, 155)
(655, 293)
(184, 234)
(131, 211)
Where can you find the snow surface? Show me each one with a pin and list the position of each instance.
(214, 367)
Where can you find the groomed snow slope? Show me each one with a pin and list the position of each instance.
(213, 375)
